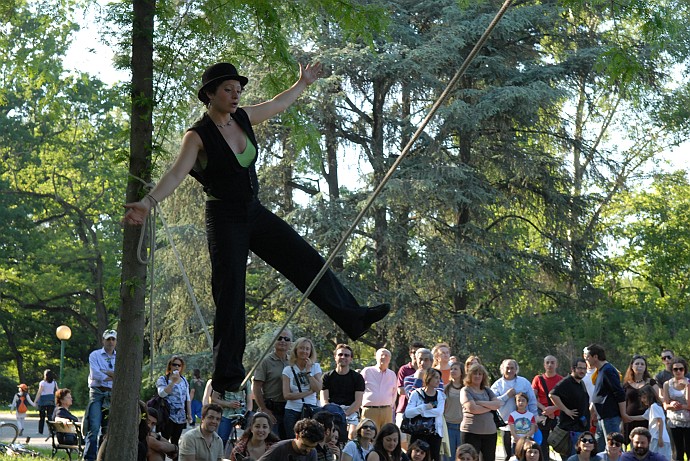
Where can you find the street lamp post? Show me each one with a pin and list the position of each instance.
(63, 333)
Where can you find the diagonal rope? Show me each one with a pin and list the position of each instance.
(156, 211)
(441, 99)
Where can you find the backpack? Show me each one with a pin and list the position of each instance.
(339, 418)
(161, 406)
(21, 404)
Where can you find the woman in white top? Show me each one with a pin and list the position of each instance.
(45, 398)
(429, 402)
(363, 443)
(301, 383)
(676, 406)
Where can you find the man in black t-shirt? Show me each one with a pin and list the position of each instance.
(571, 397)
(344, 387)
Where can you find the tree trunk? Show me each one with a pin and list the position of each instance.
(124, 413)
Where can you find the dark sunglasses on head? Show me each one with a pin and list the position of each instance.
(422, 444)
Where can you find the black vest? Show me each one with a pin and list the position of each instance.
(224, 178)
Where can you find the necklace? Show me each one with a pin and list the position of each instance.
(225, 124)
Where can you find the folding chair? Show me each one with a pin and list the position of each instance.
(58, 430)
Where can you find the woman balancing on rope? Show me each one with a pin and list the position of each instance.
(220, 151)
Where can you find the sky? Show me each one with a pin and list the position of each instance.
(97, 61)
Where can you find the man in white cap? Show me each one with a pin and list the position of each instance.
(101, 374)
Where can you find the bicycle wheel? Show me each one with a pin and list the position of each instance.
(8, 432)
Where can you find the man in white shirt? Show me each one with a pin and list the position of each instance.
(505, 389)
(101, 374)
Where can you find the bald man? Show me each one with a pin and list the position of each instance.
(542, 385)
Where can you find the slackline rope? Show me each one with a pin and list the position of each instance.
(468, 60)
(156, 211)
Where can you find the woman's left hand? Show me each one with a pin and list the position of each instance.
(310, 73)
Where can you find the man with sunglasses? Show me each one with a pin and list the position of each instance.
(268, 383)
(665, 374)
(101, 374)
(344, 387)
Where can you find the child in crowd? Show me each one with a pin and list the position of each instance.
(466, 452)
(20, 405)
(522, 423)
(660, 443)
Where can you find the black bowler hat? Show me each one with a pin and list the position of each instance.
(221, 71)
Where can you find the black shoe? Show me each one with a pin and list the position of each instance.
(370, 316)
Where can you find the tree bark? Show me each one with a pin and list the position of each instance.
(124, 412)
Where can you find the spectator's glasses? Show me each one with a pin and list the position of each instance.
(340, 354)
(613, 443)
(176, 365)
(371, 428)
(422, 444)
(678, 369)
(110, 362)
(666, 357)
(284, 338)
(586, 440)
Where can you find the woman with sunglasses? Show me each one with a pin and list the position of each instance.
(173, 387)
(358, 449)
(585, 448)
(614, 447)
(636, 377)
(676, 406)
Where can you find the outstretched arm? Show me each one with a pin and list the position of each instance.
(191, 146)
(265, 110)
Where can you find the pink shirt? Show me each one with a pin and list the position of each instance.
(380, 389)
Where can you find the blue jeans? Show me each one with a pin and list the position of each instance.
(95, 423)
(196, 410)
(454, 439)
(289, 420)
(605, 427)
(224, 429)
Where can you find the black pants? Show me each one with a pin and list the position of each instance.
(545, 429)
(483, 443)
(232, 230)
(681, 440)
(45, 413)
(172, 431)
(507, 443)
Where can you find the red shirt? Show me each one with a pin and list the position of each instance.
(541, 393)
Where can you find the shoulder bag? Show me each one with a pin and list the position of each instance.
(418, 425)
(307, 410)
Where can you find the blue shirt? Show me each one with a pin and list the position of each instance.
(100, 361)
(651, 456)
